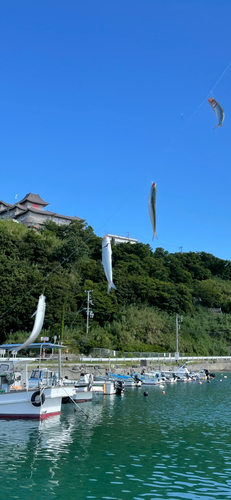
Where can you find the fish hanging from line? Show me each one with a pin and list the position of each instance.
(152, 208)
(218, 110)
(106, 261)
(38, 324)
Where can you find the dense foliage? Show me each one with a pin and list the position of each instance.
(64, 261)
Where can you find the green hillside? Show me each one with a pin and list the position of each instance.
(63, 262)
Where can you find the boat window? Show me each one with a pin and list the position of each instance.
(4, 367)
(34, 374)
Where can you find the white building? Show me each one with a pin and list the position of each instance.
(114, 238)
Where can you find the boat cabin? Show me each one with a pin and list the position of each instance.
(44, 376)
(10, 379)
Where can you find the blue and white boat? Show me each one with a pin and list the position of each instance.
(148, 378)
(128, 380)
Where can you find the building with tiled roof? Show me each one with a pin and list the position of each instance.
(30, 212)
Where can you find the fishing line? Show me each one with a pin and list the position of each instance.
(75, 314)
(220, 77)
(201, 104)
(59, 265)
(210, 92)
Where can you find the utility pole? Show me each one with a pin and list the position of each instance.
(89, 311)
(181, 248)
(178, 320)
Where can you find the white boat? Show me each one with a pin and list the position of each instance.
(129, 381)
(80, 392)
(82, 388)
(164, 377)
(148, 379)
(108, 387)
(85, 380)
(82, 395)
(180, 374)
(170, 379)
(86, 386)
(113, 387)
(182, 378)
(17, 399)
(205, 374)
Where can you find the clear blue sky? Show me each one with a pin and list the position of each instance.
(92, 94)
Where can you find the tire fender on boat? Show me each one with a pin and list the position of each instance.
(41, 400)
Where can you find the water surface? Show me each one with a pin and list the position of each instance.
(175, 445)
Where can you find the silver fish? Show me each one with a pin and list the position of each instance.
(152, 208)
(38, 324)
(218, 110)
(106, 261)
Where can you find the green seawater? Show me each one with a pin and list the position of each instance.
(175, 445)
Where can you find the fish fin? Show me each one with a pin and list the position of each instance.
(111, 285)
(219, 125)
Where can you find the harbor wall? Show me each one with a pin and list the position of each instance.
(212, 366)
(72, 372)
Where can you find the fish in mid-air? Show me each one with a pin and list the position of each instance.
(152, 208)
(38, 324)
(218, 110)
(106, 261)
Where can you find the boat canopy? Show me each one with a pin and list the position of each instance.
(49, 345)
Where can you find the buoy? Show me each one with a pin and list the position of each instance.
(220, 380)
(225, 376)
(200, 383)
(145, 393)
(163, 392)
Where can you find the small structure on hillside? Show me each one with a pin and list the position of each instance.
(115, 239)
(216, 310)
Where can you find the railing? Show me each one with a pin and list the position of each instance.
(107, 353)
(158, 357)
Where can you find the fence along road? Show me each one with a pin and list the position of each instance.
(160, 357)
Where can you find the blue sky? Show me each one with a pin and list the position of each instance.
(92, 95)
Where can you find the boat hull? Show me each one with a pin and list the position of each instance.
(25, 404)
(82, 395)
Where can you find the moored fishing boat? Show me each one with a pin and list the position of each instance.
(82, 388)
(149, 379)
(17, 398)
(129, 381)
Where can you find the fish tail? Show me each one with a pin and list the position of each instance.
(154, 235)
(111, 285)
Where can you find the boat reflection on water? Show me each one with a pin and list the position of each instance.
(29, 446)
(59, 427)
